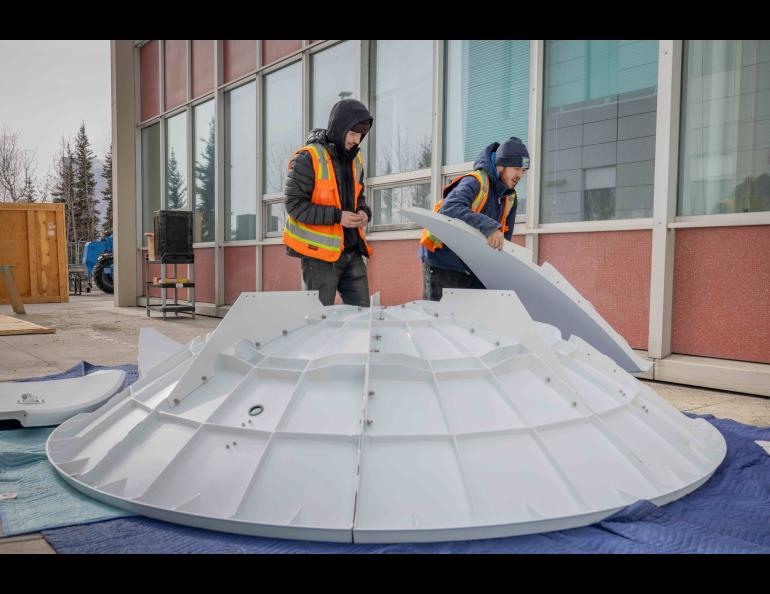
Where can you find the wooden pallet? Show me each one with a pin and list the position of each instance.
(9, 326)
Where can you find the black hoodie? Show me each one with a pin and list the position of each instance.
(300, 180)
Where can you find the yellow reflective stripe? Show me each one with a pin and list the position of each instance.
(325, 162)
(318, 244)
(323, 167)
(309, 237)
(309, 230)
(484, 183)
(358, 169)
(509, 206)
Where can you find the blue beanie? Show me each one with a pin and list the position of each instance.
(512, 153)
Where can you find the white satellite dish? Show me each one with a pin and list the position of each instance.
(427, 421)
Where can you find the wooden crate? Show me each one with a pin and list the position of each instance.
(33, 237)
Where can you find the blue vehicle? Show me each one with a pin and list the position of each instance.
(97, 260)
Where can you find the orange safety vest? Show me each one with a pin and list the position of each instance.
(431, 242)
(325, 242)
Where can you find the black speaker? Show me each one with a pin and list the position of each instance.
(173, 235)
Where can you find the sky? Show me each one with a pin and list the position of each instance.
(49, 87)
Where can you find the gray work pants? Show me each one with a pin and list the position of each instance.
(347, 275)
(435, 280)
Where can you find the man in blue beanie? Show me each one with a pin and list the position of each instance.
(485, 199)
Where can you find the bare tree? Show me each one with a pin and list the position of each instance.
(17, 168)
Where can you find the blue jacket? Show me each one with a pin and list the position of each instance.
(457, 204)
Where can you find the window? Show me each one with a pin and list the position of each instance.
(203, 147)
(275, 218)
(486, 98)
(390, 200)
(283, 123)
(150, 177)
(176, 162)
(599, 111)
(402, 84)
(725, 128)
(240, 163)
(335, 77)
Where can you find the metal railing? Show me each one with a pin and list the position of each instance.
(75, 254)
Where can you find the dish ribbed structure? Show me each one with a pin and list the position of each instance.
(426, 421)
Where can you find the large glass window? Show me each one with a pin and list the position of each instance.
(335, 77)
(725, 128)
(486, 98)
(205, 182)
(401, 91)
(390, 200)
(283, 123)
(600, 101)
(176, 162)
(241, 162)
(150, 177)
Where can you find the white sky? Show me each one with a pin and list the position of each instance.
(48, 87)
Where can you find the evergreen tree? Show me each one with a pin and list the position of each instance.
(28, 190)
(107, 192)
(64, 190)
(84, 184)
(205, 183)
(176, 191)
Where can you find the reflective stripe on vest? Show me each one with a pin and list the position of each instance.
(506, 211)
(305, 233)
(430, 241)
(324, 242)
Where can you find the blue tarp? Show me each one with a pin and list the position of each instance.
(729, 514)
(42, 498)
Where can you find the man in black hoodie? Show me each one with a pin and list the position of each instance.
(315, 215)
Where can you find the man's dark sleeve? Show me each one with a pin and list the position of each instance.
(300, 183)
(458, 204)
(362, 205)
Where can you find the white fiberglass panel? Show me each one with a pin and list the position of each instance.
(304, 481)
(327, 400)
(260, 402)
(667, 462)
(211, 473)
(303, 342)
(403, 403)
(35, 404)
(474, 404)
(206, 398)
(603, 475)
(533, 397)
(95, 442)
(436, 344)
(513, 480)
(129, 468)
(547, 295)
(411, 484)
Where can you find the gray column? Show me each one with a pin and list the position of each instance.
(124, 187)
(664, 196)
(536, 69)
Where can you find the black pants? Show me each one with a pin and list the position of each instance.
(435, 280)
(347, 275)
